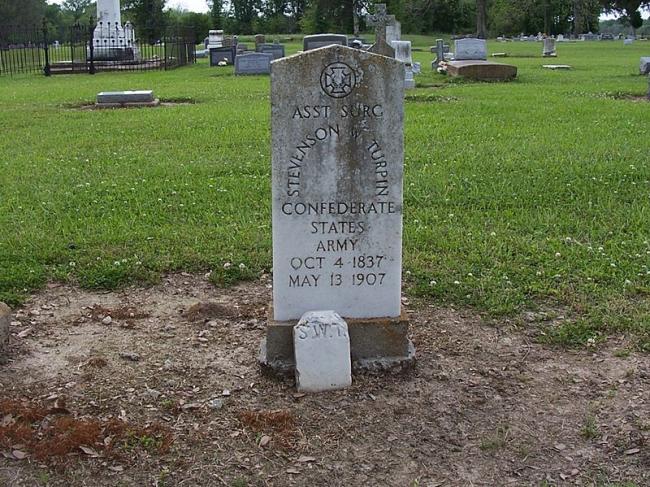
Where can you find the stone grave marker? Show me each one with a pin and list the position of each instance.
(470, 49)
(113, 99)
(644, 65)
(253, 63)
(439, 50)
(275, 50)
(5, 322)
(393, 32)
(218, 54)
(556, 67)
(381, 20)
(549, 47)
(322, 348)
(403, 54)
(259, 39)
(337, 122)
(321, 40)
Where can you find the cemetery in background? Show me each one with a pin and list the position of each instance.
(78, 49)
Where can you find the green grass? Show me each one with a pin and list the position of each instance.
(517, 195)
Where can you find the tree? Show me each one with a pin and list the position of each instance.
(78, 9)
(216, 13)
(148, 17)
(481, 19)
(628, 10)
(23, 12)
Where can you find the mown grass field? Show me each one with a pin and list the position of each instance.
(534, 193)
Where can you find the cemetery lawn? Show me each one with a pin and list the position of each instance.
(525, 201)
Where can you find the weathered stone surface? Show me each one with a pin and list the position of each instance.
(470, 49)
(275, 50)
(253, 63)
(482, 70)
(556, 67)
(321, 40)
(322, 352)
(548, 49)
(337, 132)
(382, 48)
(393, 32)
(5, 321)
(117, 97)
(644, 65)
(403, 54)
(218, 54)
(375, 344)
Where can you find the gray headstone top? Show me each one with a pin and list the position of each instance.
(321, 40)
(276, 50)
(470, 49)
(218, 54)
(644, 65)
(337, 166)
(403, 51)
(253, 63)
(141, 96)
(549, 46)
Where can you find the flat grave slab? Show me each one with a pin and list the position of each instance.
(112, 99)
(482, 70)
(556, 67)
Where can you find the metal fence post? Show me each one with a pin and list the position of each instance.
(46, 68)
(91, 45)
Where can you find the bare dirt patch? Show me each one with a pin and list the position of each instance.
(485, 405)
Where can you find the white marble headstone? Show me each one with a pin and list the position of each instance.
(403, 54)
(337, 137)
(322, 351)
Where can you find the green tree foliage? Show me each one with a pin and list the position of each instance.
(628, 10)
(216, 13)
(197, 24)
(147, 16)
(22, 12)
(79, 9)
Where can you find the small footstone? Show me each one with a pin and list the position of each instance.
(555, 67)
(322, 348)
(5, 320)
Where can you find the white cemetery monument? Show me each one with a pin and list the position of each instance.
(111, 40)
(337, 124)
(215, 39)
(403, 54)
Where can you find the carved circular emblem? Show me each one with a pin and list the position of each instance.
(338, 80)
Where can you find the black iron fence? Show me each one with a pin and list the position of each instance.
(89, 48)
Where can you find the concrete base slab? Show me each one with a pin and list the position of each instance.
(154, 103)
(482, 70)
(376, 345)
